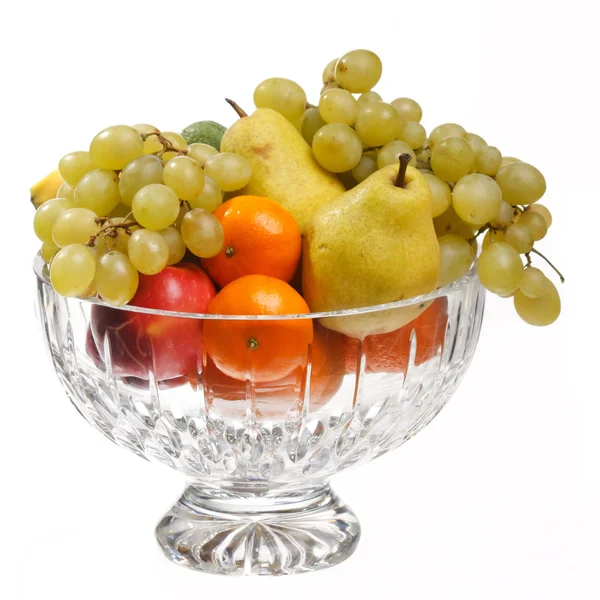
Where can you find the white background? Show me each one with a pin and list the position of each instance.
(499, 497)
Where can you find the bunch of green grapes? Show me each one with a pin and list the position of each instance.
(486, 193)
(353, 133)
(351, 130)
(137, 201)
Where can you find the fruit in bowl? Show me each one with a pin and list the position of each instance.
(264, 305)
(152, 345)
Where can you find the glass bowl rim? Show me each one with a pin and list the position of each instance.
(41, 271)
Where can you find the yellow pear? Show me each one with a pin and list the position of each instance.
(372, 245)
(283, 166)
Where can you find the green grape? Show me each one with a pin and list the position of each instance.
(210, 198)
(540, 311)
(408, 109)
(451, 159)
(74, 166)
(175, 244)
(141, 171)
(155, 206)
(338, 106)
(185, 177)
(358, 71)
(456, 258)
(148, 251)
(283, 95)
(492, 237)
(89, 292)
(488, 160)
(534, 223)
(535, 208)
(329, 71)
(424, 158)
(426, 172)
(144, 128)
(337, 147)
(533, 283)
(447, 222)
(98, 190)
(117, 240)
(311, 123)
(183, 210)
(368, 97)
(152, 145)
(519, 238)
(446, 130)
(201, 152)
(366, 166)
(504, 216)
(75, 226)
(116, 278)
(46, 215)
(347, 179)
(476, 142)
(202, 233)
(72, 270)
(231, 171)
(121, 210)
(413, 134)
(521, 183)
(48, 251)
(476, 198)
(332, 85)
(500, 268)
(177, 141)
(65, 191)
(115, 146)
(507, 160)
(441, 196)
(377, 123)
(391, 152)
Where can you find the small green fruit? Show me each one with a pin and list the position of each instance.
(204, 132)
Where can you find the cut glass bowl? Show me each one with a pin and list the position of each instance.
(258, 457)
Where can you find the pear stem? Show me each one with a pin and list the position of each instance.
(240, 111)
(404, 160)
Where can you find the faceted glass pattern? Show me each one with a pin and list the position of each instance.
(258, 457)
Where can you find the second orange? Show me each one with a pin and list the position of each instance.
(261, 238)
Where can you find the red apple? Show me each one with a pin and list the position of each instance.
(169, 347)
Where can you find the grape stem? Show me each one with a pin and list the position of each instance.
(110, 229)
(479, 232)
(404, 160)
(562, 279)
(166, 144)
(240, 111)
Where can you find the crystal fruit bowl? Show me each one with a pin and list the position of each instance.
(258, 457)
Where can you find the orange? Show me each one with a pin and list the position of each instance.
(261, 238)
(326, 376)
(254, 350)
(390, 352)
